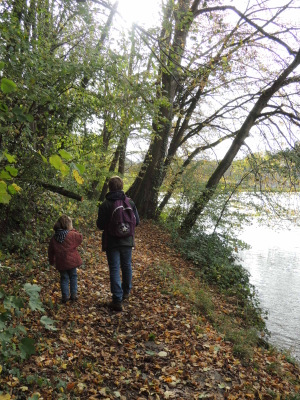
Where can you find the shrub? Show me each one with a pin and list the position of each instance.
(216, 261)
(11, 329)
(217, 264)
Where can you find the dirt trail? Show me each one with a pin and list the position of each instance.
(159, 347)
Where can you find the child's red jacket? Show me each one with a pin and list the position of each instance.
(65, 255)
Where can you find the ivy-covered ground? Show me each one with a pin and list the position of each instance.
(164, 345)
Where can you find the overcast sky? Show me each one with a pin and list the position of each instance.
(138, 11)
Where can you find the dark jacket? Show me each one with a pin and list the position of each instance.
(62, 251)
(104, 214)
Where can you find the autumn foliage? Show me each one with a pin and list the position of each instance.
(164, 345)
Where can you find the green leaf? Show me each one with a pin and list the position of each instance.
(64, 169)
(11, 189)
(80, 168)
(4, 175)
(13, 302)
(8, 86)
(5, 198)
(43, 158)
(26, 347)
(29, 117)
(3, 187)
(22, 329)
(35, 304)
(48, 323)
(34, 301)
(3, 107)
(17, 110)
(151, 353)
(13, 171)
(32, 289)
(14, 188)
(64, 154)
(34, 397)
(11, 159)
(2, 65)
(6, 336)
(56, 161)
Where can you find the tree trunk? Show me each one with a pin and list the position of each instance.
(122, 157)
(111, 169)
(145, 188)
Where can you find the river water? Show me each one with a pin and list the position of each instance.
(274, 265)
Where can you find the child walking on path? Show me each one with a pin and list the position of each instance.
(63, 254)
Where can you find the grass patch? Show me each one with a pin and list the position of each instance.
(180, 285)
(244, 339)
(290, 359)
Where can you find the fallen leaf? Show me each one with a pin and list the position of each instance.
(169, 395)
(71, 385)
(5, 397)
(64, 339)
(81, 387)
(162, 354)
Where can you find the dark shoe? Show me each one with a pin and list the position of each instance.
(126, 296)
(73, 298)
(64, 300)
(116, 305)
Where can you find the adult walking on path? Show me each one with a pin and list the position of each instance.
(117, 218)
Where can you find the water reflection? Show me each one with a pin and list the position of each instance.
(274, 264)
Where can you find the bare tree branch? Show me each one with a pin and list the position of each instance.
(250, 22)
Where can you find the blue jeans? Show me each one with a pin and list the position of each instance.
(67, 278)
(119, 257)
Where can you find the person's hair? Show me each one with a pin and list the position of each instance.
(115, 183)
(63, 222)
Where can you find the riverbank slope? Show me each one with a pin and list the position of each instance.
(164, 345)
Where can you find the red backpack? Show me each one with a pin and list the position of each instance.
(122, 221)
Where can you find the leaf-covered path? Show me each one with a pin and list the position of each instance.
(159, 347)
